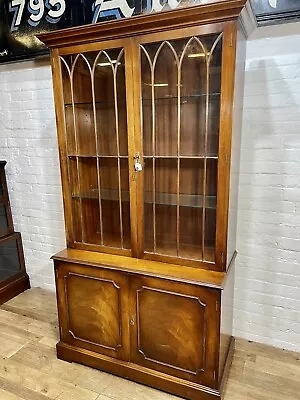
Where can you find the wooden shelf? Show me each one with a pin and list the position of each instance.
(168, 199)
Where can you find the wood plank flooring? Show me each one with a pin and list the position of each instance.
(29, 369)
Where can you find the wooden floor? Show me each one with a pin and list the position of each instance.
(29, 369)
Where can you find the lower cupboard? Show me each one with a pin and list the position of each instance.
(161, 332)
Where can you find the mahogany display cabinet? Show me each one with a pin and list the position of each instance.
(149, 122)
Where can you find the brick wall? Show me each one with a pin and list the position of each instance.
(267, 296)
(28, 143)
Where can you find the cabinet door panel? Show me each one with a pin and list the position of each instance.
(94, 309)
(180, 98)
(96, 152)
(174, 328)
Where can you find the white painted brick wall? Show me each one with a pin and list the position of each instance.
(28, 143)
(267, 296)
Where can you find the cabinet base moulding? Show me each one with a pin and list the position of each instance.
(13, 288)
(139, 374)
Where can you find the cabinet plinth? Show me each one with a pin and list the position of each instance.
(148, 122)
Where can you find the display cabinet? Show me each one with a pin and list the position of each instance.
(13, 276)
(149, 120)
(6, 222)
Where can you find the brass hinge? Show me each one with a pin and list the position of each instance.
(231, 39)
(222, 257)
(215, 376)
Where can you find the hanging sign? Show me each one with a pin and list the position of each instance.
(276, 11)
(22, 20)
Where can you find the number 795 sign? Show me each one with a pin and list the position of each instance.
(51, 10)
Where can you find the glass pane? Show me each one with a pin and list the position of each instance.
(181, 84)
(3, 220)
(96, 124)
(116, 216)
(9, 259)
(110, 98)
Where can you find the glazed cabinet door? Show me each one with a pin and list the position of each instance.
(182, 92)
(94, 135)
(174, 328)
(93, 309)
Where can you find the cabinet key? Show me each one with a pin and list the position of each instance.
(138, 167)
(131, 321)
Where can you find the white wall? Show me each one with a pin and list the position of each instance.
(28, 143)
(267, 297)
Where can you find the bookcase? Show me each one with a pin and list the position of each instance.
(149, 122)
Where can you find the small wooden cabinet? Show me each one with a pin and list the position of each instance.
(149, 122)
(133, 319)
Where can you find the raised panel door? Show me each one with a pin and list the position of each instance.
(174, 328)
(93, 309)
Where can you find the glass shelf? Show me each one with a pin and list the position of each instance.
(186, 251)
(183, 98)
(95, 156)
(168, 199)
(112, 104)
(182, 157)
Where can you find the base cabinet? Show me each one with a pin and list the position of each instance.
(142, 327)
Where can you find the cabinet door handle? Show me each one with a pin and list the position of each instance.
(131, 320)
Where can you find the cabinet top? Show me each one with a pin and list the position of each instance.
(191, 275)
(222, 11)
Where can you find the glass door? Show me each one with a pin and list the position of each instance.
(180, 103)
(97, 147)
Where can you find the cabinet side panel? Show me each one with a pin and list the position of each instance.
(61, 136)
(236, 143)
(226, 319)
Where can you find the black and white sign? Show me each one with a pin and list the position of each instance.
(276, 11)
(21, 20)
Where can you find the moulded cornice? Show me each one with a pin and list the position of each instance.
(142, 24)
(248, 19)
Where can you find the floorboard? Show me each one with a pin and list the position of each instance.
(29, 369)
